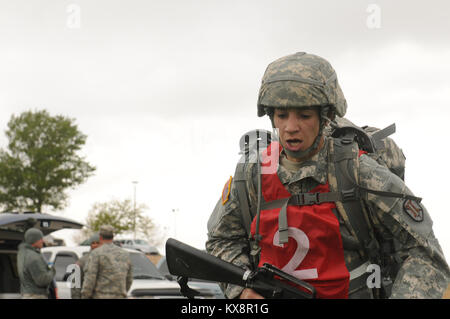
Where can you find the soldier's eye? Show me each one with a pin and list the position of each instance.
(282, 115)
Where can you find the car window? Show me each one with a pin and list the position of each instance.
(143, 267)
(140, 242)
(61, 263)
(9, 279)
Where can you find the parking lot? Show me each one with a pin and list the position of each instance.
(148, 280)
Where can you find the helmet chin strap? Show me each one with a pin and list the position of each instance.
(304, 153)
(313, 147)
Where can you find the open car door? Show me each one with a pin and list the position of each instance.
(45, 222)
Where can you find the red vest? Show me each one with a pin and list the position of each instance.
(314, 252)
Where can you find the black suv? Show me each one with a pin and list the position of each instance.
(12, 229)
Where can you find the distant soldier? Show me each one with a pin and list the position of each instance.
(108, 274)
(34, 273)
(94, 242)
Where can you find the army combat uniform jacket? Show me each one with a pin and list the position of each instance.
(410, 253)
(34, 273)
(108, 273)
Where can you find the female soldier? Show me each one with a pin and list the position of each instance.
(322, 209)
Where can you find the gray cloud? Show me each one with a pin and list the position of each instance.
(148, 80)
(173, 57)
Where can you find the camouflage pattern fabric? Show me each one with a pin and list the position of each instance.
(300, 80)
(108, 273)
(34, 273)
(423, 271)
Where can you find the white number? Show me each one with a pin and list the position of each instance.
(300, 253)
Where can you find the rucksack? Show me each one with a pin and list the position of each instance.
(375, 142)
(346, 135)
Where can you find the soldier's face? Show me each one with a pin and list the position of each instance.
(39, 244)
(298, 128)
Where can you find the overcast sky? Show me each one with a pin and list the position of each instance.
(164, 89)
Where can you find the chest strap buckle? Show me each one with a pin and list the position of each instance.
(350, 195)
(310, 198)
(305, 199)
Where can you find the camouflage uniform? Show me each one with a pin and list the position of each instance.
(108, 273)
(421, 270)
(75, 291)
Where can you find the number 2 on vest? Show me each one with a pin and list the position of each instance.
(300, 253)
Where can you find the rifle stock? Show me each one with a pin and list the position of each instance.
(189, 262)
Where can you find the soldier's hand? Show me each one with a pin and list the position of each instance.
(248, 293)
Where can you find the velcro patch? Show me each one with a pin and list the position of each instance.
(413, 209)
(226, 191)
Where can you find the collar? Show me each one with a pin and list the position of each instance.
(28, 246)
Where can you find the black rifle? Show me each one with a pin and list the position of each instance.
(187, 262)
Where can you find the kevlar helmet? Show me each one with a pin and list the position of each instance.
(301, 80)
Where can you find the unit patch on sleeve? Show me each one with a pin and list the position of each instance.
(413, 209)
(226, 191)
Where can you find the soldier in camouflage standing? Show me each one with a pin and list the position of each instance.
(94, 242)
(108, 273)
(320, 207)
(34, 273)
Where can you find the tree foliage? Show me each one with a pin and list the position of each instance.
(41, 161)
(121, 215)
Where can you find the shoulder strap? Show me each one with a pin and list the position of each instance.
(241, 187)
(344, 163)
(240, 179)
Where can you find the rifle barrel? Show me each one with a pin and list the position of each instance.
(184, 260)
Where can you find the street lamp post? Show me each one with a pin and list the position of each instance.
(175, 211)
(134, 210)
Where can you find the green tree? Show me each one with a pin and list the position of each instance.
(41, 162)
(121, 216)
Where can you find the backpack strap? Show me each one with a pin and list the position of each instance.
(345, 151)
(241, 187)
(240, 179)
(380, 135)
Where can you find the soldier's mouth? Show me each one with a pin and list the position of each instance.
(294, 144)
